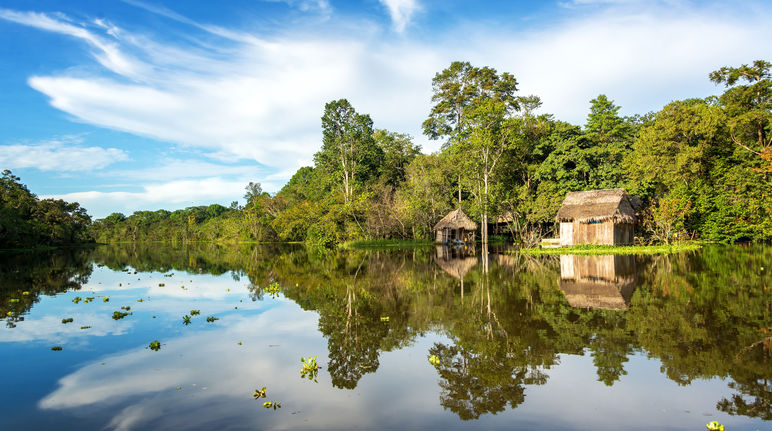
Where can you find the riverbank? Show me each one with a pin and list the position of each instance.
(612, 249)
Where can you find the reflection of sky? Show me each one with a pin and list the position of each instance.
(106, 377)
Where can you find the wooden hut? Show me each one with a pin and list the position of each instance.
(456, 226)
(596, 217)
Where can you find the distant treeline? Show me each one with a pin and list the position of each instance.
(700, 166)
(28, 222)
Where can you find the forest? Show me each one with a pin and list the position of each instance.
(700, 166)
(29, 222)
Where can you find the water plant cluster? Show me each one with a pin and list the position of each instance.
(261, 393)
(310, 369)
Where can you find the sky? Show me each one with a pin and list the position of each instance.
(142, 105)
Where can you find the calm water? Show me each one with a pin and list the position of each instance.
(560, 342)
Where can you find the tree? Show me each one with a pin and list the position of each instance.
(348, 148)
(398, 151)
(609, 136)
(749, 107)
(479, 148)
(460, 86)
(254, 190)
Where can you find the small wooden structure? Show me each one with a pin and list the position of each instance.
(456, 226)
(596, 217)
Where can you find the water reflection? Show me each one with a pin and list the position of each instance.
(500, 323)
(605, 282)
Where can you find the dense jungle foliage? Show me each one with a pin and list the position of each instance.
(700, 166)
(26, 221)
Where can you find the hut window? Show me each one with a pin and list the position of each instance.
(594, 222)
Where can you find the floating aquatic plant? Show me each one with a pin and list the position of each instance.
(67, 320)
(57, 348)
(186, 319)
(211, 319)
(76, 300)
(259, 393)
(239, 343)
(84, 327)
(89, 299)
(117, 315)
(161, 285)
(195, 312)
(274, 404)
(434, 360)
(126, 307)
(140, 300)
(106, 300)
(155, 345)
(715, 426)
(310, 368)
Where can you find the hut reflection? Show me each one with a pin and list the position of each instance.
(456, 261)
(605, 282)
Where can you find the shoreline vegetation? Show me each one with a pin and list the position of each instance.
(598, 250)
(700, 168)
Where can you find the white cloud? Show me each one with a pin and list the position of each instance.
(401, 11)
(107, 54)
(60, 154)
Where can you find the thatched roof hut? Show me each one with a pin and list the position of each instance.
(597, 205)
(456, 219)
(596, 217)
(455, 226)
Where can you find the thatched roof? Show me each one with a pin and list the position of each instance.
(597, 205)
(456, 220)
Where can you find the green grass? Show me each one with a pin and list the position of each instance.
(386, 243)
(612, 249)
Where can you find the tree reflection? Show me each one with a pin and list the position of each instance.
(25, 277)
(508, 317)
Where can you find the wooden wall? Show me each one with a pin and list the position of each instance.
(603, 233)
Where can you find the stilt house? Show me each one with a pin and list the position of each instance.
(456, 226)
(596, 217)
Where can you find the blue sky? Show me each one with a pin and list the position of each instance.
(130, 105)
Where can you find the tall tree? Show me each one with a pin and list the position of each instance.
(748, 106)
(479, 149)
(460, 86)
(610, 138)
(348, 147)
